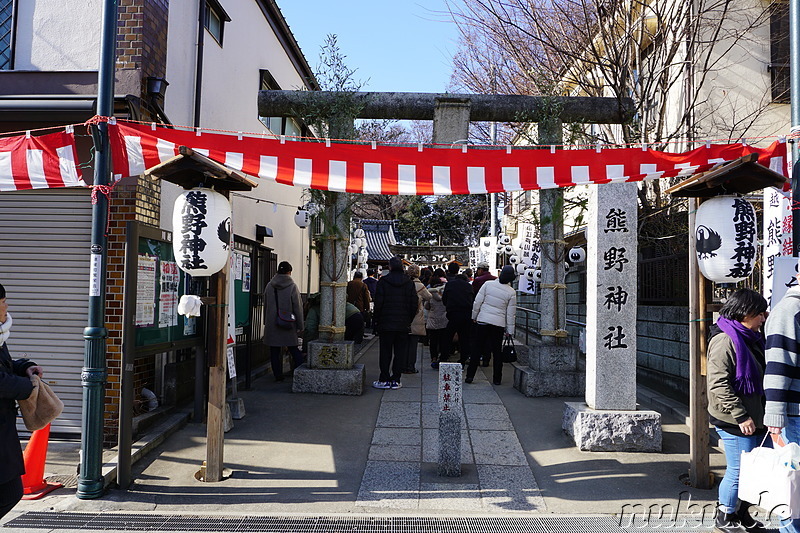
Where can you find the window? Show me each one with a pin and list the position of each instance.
(279, 125)
(6, 34)
(779, 51)
(215, 20)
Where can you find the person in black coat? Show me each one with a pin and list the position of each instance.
(15, 384)
(396, 304)
(457, 298)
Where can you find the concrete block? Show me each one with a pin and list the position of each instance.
(535, 383)
(343, 381)
(553, 358)
(236, 406)
(612, 431)
(336, 354)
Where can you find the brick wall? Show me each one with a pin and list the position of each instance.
(133, 199)
(142, 46)
(142, 36)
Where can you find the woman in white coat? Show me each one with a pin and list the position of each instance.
(494, 313)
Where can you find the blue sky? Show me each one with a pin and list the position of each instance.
(394, 45)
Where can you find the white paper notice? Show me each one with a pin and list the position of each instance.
(231, 362)
(168, 301)
(94, 274)
(146, 291)
(246, 273)
(237, 266)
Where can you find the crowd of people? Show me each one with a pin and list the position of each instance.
(450, 311)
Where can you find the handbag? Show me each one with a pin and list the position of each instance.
(283, 319)
(768, 477)
(41, 407)
(509, 354)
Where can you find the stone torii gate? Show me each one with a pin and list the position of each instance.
(451, 115)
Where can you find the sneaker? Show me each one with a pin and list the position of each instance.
(394, 385)
(382, 384)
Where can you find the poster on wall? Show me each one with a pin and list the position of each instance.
(146, 290)
(238, 265)
(168, 301)
(246, 273)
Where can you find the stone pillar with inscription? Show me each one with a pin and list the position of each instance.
(329, 369)
(609, 420)
(450, 419)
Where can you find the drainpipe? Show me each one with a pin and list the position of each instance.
(93, 374)
(198, 74)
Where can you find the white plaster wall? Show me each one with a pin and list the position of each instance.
(58, 35)
(229, 101)
(738, 89)
(181, 61)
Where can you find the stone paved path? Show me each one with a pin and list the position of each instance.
(401, 469)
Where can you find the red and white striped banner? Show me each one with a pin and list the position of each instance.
(420, 170)
(28, 162)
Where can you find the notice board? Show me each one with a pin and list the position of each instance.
(159, 284)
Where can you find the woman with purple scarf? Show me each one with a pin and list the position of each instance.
(736, 397)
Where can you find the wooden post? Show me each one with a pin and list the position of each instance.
(699, 474)
(217, 346)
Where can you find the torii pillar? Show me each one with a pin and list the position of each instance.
(551, 111)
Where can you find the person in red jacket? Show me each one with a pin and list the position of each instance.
(482, 275)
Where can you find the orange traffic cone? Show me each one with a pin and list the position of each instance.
(33, 484)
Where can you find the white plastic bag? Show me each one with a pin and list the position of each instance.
(769, 478)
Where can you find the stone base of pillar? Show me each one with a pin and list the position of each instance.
(335, 354)
(236, 406)
(343, 381)
(535, 383)
(595, 430)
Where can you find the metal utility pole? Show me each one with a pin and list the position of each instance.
(93, 374)
(794, 72)
(493, 196)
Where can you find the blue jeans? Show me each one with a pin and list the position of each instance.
(791, 433)
(734, 445)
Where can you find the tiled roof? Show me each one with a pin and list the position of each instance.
(379, 235)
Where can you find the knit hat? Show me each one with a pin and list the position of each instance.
(508, 274)
(395, 263)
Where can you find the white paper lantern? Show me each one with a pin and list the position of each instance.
(577, 255)
(302, 218)
(362, 242)
(362, 256)
(504, 239)
(521, 268)
(501, 248)
(531, 273)
(725, 239)
(537, 274)
(513, 260)
(566, 267)
(508, 249)
(353, 249)
(201, 222)
(358, 233)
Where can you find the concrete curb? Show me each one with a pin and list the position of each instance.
(149, 441)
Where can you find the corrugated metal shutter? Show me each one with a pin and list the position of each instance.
(44, 265)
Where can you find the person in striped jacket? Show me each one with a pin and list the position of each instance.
(782, 375)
